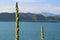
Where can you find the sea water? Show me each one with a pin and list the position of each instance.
(30, 31)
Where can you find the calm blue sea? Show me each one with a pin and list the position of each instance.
(30, 31)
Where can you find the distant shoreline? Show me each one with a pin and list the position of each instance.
(26, 21)
(28, 17)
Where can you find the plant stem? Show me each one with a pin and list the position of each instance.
(17, 22)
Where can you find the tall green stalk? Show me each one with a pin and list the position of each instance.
(42, 33)
(17, 22)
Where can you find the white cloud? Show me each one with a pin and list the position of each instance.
(55, 10)
(39, 9)
(33, 0)
(27, 0)
(16, 0)
(7, 9)
(34, 9)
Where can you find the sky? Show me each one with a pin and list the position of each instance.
(33, 6)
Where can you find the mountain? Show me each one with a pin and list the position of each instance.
(47, 14)
(29, 17)
(7, 17)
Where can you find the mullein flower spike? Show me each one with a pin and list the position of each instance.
(42, 33)
(17, 22)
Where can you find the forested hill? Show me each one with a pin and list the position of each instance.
(29, 17)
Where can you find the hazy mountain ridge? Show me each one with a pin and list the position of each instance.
(29, 17)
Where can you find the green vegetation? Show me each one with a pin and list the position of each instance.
(42, 33)
(17, 22)
(29, 17)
